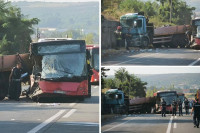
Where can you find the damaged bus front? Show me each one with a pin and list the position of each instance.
(60, 69)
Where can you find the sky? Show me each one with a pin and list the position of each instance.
(155, 70)
(54, 0)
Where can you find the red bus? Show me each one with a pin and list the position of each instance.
(60, 69)
(168, 96)
(94, 59)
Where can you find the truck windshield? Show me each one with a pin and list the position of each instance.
(126, 22)
(63, 65)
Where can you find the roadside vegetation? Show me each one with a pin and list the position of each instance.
(130, 84)
(158, 11)
(15, 29)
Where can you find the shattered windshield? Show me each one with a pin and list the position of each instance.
(126, 22)
(63, 65)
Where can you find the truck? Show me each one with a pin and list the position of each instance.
(57, 69)
(140, 29)
(115, 101)
(171, 36)
(144, 33)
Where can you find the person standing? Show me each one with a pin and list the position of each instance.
(118, 34)
(186, 103)
(163, 108)
(15, 82)
(128, 38)
(174, 104)
(180, 108)
(196, 115)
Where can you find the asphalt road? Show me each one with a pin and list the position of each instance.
(26, 116)
(162, 56)
(150, 123)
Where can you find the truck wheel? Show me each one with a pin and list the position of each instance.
(174, 43)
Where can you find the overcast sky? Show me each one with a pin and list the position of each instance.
(156, 70)
(54, 0)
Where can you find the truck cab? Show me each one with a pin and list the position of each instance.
(114, 101)
(136, 25)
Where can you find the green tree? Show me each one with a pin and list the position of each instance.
(15, 28)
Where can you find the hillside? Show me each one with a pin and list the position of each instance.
(63, 16)
(186, 81)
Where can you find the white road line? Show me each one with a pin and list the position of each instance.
(96, 87)
(72, 104)
(132, 59)
(175, 116)
(116, 126)
(175, 125)
(193, 63)
(169, 125)
(37, 128)
(69, 113)
(81, 123)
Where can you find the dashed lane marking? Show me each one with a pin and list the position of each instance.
(175, 125)
(116, 126)
(37, 128)
(169, 125)
(69, 113)
(193, 63)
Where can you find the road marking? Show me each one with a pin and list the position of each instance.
(81, 123)
(72, 104)
(175, 116)
(132, 59)
(175, 125)
(116, 126)
(12, 119)
(169, 125)
(193, 63)
(37, 128)
(96, 87)
(69, 113)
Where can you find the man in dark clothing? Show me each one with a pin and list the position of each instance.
(174, 104)
(90, 72)
(196, 116)
(15, 82)
(186, 102)
(180, 107)
(118, 34)
(163, 108)
(128, 38)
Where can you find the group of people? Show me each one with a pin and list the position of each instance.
(195, 109)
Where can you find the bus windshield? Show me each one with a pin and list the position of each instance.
(63, 65)
(168, 97)
(198, 31)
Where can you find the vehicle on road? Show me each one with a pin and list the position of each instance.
(60, 69)
(94, 60)
(168, 96)
(56, 69)
(115, 101)
(140, 29)
(195, 36)
(171, 36)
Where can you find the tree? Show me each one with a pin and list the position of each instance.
(121, 74)
(16, 29)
